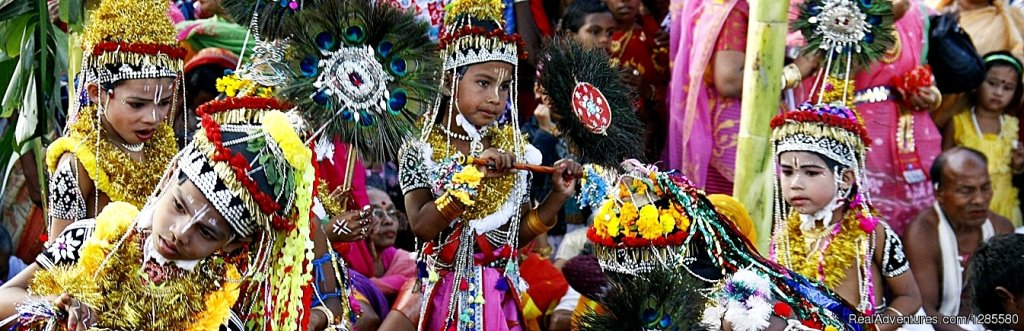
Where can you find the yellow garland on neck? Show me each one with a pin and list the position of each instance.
(113, 170)
(839, 257)
(492, 192)
(218, 304)
(118, 291)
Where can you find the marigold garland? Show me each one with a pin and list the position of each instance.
(491, 192)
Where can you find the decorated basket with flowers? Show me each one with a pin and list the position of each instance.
(641, 223)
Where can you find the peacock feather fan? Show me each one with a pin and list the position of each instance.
(365, 73)
(660, 300)
(590, 105)
(861, 30)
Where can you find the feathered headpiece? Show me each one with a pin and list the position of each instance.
(594, 109)
(250, 163)
(363, 72)
(130, 39)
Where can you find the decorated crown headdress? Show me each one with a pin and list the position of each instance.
(131, 39)
(832, 130)
(251, 164)
(474, 33)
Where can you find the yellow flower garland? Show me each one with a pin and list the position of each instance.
(492, 192)
(218, 304)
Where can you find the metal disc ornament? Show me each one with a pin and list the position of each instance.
(355, 79)
(591, 107)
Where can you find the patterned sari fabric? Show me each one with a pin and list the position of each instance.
(703, 125)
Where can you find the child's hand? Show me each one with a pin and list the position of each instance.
(563, 181)
(79, 315)
(501, 160)
(1017, 160)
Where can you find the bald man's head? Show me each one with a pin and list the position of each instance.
(962, 185)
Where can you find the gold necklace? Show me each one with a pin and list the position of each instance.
(834, 262)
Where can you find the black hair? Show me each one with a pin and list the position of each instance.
(202, 78)
(1015, 64)
(939, 166)
(997, 263)
(577, 13)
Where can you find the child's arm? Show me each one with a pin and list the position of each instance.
(563, 186)
(895, 270)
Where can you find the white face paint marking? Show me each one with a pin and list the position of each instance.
(502, 73)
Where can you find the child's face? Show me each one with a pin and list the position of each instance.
(596, 30)
(483, 91)
(996, 92)
(807, 182)
(137, 107)
(624, 10)
(186, 226)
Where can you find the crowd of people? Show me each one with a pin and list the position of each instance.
(198, 184)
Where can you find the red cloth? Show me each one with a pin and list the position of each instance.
(547, 285)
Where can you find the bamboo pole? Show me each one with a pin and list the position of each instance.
(766, 42)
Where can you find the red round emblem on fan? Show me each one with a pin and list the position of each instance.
(591, 108)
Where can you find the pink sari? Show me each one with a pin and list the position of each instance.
(703, 125)
(399, 267)
(897, 200)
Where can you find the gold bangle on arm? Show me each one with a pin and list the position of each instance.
(535, 224)
(791, 76)
(327, 313)
(449, 207)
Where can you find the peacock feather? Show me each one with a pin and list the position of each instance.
(857, 30)
(660, 300)
(272, 15)
(568, 65)
(364, 73)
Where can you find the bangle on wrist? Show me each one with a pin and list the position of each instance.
(449, 207)
(535, 224)
(328, 314)
(890, 308)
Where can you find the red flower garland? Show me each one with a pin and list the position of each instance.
(250, 102)
(674, 239)
(850, 125)
(239, 165)
(447, 38)
(171, 51)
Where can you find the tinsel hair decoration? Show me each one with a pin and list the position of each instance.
(591, 106)
(364, 72)
(130, 39)
(474, 32)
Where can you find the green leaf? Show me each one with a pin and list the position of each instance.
(14, 34)
(12, 9)
(256, 145)
(71, 11)
(7, 154)
(16, 89)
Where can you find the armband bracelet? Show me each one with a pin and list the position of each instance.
(535, 225)
(449, 207)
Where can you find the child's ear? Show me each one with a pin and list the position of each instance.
(447, 83)
(849, 178)
(93, 91)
